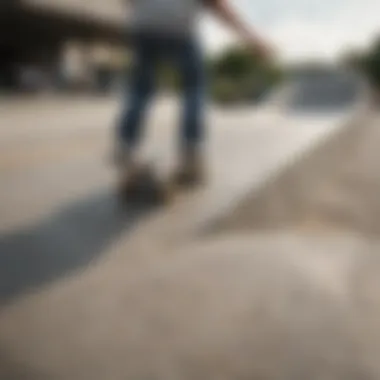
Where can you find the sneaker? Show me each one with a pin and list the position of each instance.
(191, 170)
(130, 167)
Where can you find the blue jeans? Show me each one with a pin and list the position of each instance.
(185, 54)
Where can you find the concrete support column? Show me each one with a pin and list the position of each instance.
(75, 65)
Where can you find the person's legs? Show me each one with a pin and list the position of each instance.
(192, 71)
(139, 94)
(193, 79)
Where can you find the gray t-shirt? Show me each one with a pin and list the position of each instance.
(173, 17)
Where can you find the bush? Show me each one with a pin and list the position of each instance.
(238, 75)
(372, 64)
(225, 91)
(366, 62)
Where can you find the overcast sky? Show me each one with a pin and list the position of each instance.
(302, 29)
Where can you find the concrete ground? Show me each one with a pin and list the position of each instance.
(275, 306)
(58, 207)
(93, 291)
(335, 189)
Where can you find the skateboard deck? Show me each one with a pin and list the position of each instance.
(147, 187)
(155, 184)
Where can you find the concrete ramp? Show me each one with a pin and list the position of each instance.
(295, 136)
(334, 187)
(243, 161)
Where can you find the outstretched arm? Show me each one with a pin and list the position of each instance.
(225, 12)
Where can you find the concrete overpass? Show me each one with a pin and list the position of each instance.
(69, 18)
(36, 31)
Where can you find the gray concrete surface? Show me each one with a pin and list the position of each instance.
(276, 306)
(93, 291)
(57, 203)
(335, 188)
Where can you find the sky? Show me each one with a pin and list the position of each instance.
(303, 29)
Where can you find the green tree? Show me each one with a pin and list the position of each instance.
(371, 64)
(238, 74)
(235, 63)
(367, 62)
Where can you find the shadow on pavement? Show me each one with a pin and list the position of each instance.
(69, 240)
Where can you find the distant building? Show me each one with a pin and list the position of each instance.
(55, 41)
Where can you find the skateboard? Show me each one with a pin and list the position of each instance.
(146, 187)
(151, 186)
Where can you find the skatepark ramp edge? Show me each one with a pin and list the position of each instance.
(285, 197)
